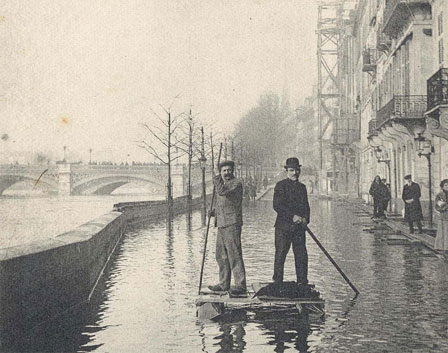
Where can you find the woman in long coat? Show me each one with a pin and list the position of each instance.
(381, 196)
(441, 242)
(412, 207)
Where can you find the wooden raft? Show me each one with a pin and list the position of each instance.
(212, 304)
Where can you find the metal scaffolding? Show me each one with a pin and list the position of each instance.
(338, 126)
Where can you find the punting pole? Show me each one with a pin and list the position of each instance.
(208, 227)
(331, 260)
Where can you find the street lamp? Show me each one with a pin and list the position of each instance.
(424, 148)
(203, 164)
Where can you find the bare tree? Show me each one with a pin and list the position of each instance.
(160, 142)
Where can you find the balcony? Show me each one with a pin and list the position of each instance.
(369, 58)
(383, 42)
(398, 12)
(402, 107)
(372, 128)
(437, 89)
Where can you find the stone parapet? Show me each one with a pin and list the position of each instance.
(43, 279)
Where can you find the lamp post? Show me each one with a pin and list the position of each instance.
(380, 159)
(90, 157)
(203, 164)
(65, 149)
(424, 148)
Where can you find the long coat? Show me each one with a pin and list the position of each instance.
(412, 211)
(379, 191)
(441, 242)
(228, 203)
(290, 198)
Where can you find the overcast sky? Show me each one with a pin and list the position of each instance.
(85, 73)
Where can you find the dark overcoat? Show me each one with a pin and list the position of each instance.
(290, 198)
(379, 191)
(413, 210)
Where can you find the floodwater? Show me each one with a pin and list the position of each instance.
(145, 300)
(25, 219)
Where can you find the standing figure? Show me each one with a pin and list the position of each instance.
(441, 242)
(381, 197)
(412, 207)
(386, 201)
(229, 217)
(293, 214)
(265, 182)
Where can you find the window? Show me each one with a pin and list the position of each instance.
(440, 51)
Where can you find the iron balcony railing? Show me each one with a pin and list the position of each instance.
(383, 42)
(397, 13)
(369, 59)
(402, 107)
(372, 128)
(437, 88)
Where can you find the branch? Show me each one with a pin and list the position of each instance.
(148, 148)
(163, 142)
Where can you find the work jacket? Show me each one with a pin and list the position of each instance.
(228, 202)
(290, 198)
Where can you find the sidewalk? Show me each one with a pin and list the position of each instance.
(393, 221)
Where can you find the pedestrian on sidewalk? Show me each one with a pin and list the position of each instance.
(441, 241)
(381, 197)
(293, 214)
(412, 207)
(386, 201)
(229, 217)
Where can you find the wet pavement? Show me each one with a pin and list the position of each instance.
(145, 302)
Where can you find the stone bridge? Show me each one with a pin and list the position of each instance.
(81, 179)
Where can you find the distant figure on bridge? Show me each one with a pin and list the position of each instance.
(229, 217)
(412, 207)
(293, 214)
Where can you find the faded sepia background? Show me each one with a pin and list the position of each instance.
(84, 74)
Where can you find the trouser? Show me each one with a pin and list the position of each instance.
(283, 241)
(382, 205)
(419, 226)
(376, 207)
(229, 257)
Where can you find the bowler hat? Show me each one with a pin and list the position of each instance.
(408, 177)
(292, 162)
(226, 163)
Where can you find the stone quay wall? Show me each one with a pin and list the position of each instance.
(41, 280)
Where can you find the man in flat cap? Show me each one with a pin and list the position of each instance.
(293, 214)
(229, 217)
(412, 207)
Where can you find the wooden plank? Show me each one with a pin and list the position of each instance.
(224, 298)
(249, 300)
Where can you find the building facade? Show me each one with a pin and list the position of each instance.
(398, 89)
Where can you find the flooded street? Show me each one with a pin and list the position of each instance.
(145, 302)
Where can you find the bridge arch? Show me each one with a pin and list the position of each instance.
(8, 180)
(107, 184)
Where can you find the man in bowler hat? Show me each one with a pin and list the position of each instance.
(229, 218)
(293, 214)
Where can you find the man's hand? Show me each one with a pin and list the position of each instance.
(299, 220)
(410, 201)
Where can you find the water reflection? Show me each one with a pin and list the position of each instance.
(145, 300)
